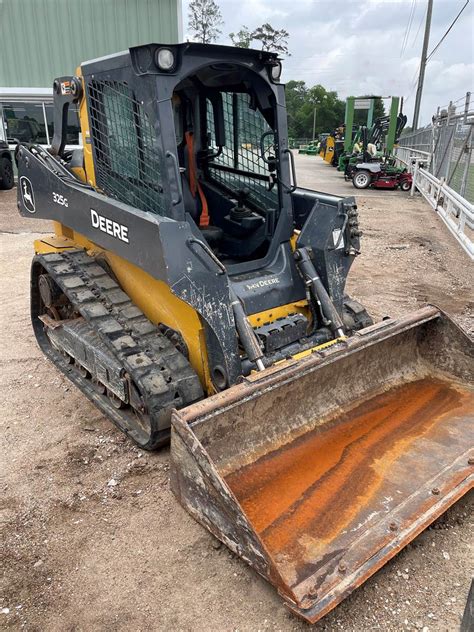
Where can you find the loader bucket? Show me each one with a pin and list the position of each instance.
(318, 471)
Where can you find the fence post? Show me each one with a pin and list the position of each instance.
(468, 152)
(450, 146)
(415, 174)
(438, 192)
(434, 141)
(466, 106)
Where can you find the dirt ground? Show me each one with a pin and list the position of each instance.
(93, 539)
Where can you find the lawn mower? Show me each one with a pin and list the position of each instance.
(379, 176)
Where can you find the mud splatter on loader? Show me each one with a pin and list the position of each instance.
(192, 288)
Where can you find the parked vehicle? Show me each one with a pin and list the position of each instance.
(379, 176)
(7, 179)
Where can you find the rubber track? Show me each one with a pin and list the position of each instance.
(162, 374)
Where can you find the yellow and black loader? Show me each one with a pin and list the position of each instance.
(191, 287)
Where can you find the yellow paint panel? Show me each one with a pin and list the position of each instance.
(270, 315)
(52, 243)
(329, 153)
(157, 302)
(324, 345)
(86, 137)
(79, 173)
(153, 297)
(294, 239)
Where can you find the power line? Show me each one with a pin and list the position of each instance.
(413, 83)
(444, 36)
(408, 27)
(419, 27)
(425, 58)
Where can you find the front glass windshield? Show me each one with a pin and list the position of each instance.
(240, 164)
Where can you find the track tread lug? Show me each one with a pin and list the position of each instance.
(162, 374)
(131, 312)
(139, 360)
(116, 296)
(105, 282)
(94, 310)
(82, 296)
(73, 282)
(110, 326)
(144, 327)
(124, 342)
(95, 270)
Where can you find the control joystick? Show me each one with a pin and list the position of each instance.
(239, 211)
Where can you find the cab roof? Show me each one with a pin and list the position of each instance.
(144, 55)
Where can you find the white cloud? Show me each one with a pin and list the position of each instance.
(354, 46)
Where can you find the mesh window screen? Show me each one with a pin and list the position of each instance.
(128, 163)
(243, 130)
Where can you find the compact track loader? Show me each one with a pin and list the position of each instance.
(190, 284)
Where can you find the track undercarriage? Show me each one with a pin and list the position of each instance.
(95, 335)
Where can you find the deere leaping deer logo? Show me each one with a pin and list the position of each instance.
(27, 194)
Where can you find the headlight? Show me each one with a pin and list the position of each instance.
(276, 71)
(164, 58)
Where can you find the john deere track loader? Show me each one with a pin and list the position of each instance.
(189, 283)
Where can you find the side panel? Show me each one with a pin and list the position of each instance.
(163, 248)
(329, 226)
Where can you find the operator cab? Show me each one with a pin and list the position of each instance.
(225, 135)
(201, 139)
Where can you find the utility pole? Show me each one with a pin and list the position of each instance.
(316, 103)
(424, 54)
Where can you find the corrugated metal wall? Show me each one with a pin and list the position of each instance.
(43, 39)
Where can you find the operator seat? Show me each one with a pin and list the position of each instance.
(212, 234)
(194, 200)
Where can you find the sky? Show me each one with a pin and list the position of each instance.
(359, 47)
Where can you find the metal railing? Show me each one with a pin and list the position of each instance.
(440, 158)
(455, 211)
(408, 157)
(448, 141)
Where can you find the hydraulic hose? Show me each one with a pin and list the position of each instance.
(247, 336)
(312, 279)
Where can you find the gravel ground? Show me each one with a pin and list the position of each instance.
(94, 539)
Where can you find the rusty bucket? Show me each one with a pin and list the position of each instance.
(318, 471)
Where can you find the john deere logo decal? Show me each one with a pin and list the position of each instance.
(27, 194)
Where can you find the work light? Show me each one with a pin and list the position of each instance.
(164, 58)
(275, 70)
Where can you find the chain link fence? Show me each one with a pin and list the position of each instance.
(449, 143)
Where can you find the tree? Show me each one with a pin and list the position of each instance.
(302, 102)
(242, 38)
(205, 18)
(269, 38)
(296, 97)
(272, 39)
